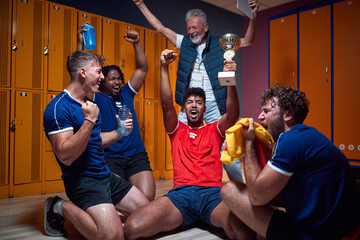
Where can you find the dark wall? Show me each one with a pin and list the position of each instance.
(170, 12)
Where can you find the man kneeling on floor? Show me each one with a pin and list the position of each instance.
(72, 124)
(195, 150)
(317, 185)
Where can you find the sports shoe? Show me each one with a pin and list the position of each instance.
(53, 222)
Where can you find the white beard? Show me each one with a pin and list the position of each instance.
(198, 40)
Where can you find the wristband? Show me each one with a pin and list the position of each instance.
(93, 122)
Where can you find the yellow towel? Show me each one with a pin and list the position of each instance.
(235, 146)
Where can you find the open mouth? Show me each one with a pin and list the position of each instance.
(194, 36)
(193, 113)
(116, 89)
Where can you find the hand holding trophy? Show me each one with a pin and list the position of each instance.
(230, 43)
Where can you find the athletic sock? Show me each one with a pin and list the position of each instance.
(58, 207)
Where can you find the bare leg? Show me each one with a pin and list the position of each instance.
(97, 222)
(233, 227)
(133, 200)
(235, 196)
(145, 182)
(160, 215)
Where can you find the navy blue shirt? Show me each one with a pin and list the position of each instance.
(130, 145)
(64, 114)
(321, 194)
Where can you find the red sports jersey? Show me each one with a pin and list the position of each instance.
(196, 155)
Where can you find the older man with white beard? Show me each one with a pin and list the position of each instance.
(200, 60)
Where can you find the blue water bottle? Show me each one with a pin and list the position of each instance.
(89, 37)
(123, 115)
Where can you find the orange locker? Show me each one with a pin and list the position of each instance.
(28, 140)
(139, 110)
(128, 63)
(154, 136)
(346, 78)
(111, 41)
(154, 45)
(315, 66)
(61, 42)
(283, 51)
(28, 44)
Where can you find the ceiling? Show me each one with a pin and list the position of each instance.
(230, 5)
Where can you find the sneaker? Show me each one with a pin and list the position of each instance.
(53, 222)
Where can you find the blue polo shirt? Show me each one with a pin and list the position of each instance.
(64, 114)
(130, 145)
(321, 195)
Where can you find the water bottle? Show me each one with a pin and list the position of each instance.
(89, 37)
(123, 115)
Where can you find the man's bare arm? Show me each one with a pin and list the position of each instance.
(155, 22)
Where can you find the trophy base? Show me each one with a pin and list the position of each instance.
(227, 78)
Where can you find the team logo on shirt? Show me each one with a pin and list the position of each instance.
(192, 135)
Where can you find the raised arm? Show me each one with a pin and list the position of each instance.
(249, 38)
(232, 102)
(166, 96)
(138, 77)
(155, 23)
(80, 37)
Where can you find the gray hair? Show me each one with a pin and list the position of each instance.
(80, 59)
(196, 13)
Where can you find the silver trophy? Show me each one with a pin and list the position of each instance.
(230, 43)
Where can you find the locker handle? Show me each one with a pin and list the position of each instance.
(14, 123)
(14, 46)
(46, 50)
(123, 63)
(12, 126)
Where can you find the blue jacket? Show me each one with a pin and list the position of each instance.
(213, 61)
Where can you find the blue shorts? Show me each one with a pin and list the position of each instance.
(85, 191)
(194, 202)
(127, 166)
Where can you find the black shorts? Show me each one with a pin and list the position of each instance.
(127, 166)
(281, 227)
(85, 192)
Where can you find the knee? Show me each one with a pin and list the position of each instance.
(111, 234)
(149, 194)
(131, 229)
(226, 190)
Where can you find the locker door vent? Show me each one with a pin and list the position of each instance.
(36, 137)
(4, 124)
(4, 44)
